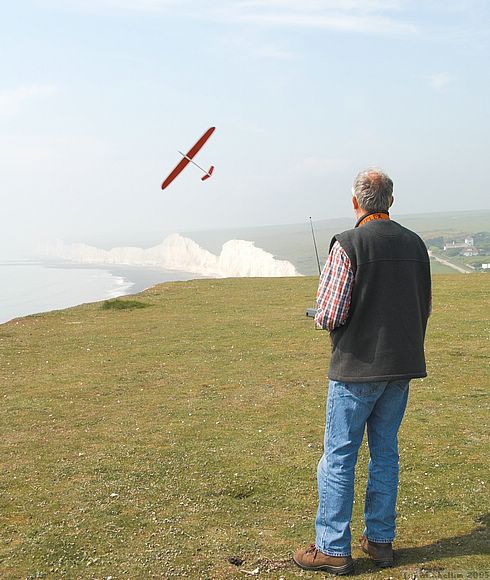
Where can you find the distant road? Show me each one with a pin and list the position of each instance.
(450, 264)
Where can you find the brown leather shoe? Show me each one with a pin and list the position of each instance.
(381, 553)
(312, 559)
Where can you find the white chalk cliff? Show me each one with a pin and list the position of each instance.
(238, 258)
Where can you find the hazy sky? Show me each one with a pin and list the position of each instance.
(96, 96)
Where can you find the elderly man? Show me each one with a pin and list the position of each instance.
(375, 298)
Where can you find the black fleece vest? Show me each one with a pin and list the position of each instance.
(383, 338)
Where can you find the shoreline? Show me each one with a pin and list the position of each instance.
(140, 277)
(59, 291)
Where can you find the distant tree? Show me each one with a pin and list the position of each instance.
(453, 251)
(481, 237)
(482, 241)
(435, 242)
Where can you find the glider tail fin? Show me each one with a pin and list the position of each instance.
(208, 174)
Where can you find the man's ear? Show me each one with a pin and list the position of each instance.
(355, 203)
(392, 200)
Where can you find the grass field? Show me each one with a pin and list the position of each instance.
(158, 442)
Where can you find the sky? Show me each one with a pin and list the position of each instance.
(97, 96)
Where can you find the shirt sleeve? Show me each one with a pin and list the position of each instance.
(335, 289)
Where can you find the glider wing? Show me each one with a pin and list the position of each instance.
(188, 157)
(173, 174)
(195, 148)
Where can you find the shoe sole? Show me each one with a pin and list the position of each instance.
(380, 563)
(338, 570)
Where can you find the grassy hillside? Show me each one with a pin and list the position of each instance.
(160, 441)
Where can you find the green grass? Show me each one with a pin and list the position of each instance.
(126, 304)
(158, 442)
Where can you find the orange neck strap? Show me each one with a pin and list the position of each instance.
(378, 215)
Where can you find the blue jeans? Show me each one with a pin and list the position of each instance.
(350, 407)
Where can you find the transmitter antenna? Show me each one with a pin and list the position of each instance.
(316, 249)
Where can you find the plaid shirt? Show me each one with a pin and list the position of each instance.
(335, 290)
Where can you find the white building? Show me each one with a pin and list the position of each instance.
(468, 243)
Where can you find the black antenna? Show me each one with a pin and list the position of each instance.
(316, 249)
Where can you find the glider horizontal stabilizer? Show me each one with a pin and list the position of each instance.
(208, 174)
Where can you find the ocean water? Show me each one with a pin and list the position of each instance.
(30, 287)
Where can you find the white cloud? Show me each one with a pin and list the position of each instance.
(200, 7)
(339, 22)
(135, 5)
(362, 6)
(440, 80)
(376, 17)
(13, 100)
(367, 16)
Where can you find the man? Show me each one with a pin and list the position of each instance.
(375, 298)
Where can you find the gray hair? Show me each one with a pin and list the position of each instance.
(373, 190)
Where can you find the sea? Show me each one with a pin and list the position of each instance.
(32, 286)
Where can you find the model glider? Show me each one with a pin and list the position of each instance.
(188, 158)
